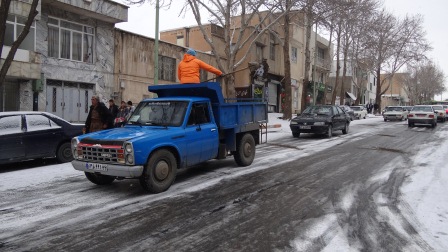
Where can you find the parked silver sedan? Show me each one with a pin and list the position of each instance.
(422, 114)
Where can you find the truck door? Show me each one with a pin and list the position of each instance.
(202, 135)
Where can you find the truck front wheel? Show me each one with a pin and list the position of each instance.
(160, 172)
(245, 150)
(99, 179)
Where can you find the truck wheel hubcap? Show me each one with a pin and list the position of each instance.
(162, 170)
(247, 149)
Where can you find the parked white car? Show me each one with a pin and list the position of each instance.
(441, 112)
(422, 114)
(395, 113)
(360, 111)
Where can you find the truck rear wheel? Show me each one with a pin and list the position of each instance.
(160, 172)
(99, 179)
(245, 150)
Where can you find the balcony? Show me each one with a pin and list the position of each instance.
(26, 64)
(104, 10)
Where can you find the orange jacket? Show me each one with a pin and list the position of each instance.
(188, 69)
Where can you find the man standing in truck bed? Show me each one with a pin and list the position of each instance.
(188, 69)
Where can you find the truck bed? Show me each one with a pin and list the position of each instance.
(238, 114)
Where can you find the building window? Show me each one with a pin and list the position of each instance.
(167, 68)
(14, 26)
(180, 40)
(320, 53)
(259, 53)
(203, 74)
(293, 54)
(67, 40)
(272, 47)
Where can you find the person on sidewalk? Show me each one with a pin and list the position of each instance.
(99, 117)
(188, 69)
(113, 108)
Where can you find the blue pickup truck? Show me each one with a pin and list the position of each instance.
(185, 125)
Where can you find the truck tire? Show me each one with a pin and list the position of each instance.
(64, 153)
(245, 150)
(99, 179)
(159, 172)
(296, 134)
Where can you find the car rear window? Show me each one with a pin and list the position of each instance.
(423, 108)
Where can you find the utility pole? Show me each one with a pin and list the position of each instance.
(156, 47)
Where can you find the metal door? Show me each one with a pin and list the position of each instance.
(70, 102)
(54, 98)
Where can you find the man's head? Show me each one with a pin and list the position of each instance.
(123, 103)
(191, 52)
(111, 102)
(129, 103)
(95, 100)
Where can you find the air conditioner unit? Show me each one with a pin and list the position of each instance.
(88, 1)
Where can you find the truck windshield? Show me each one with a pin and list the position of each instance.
(159, 113)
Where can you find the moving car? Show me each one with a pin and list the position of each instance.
(422, 114)
(31, 135)
(441, 112)
(349, 111)
(360, 111)
(395, 113)
(320, 119)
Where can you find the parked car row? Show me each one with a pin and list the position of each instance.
(32, 135)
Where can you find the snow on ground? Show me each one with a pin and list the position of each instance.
(424, 199)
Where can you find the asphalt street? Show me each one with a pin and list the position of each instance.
(350, 181)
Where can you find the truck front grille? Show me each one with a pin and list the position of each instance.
(101, 153)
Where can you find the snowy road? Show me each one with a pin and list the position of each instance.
(379, 188)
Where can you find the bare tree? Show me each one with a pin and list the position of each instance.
(4, 9)
(424, 81)
(394, 43)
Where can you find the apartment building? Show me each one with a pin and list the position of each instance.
(267, 49)
(396, 95)
(67, 57)
(359, 84)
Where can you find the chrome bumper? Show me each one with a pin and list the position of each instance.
(112, 169)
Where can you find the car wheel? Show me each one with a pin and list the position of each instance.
(99, 179)
(345, 129)
(64, 153)
(245, 150)
(410, 124)
(296, 134)
(330, 131)
(160, 171)
(365, 116)
(385, 119)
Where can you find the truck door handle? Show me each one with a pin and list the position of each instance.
(212, 130)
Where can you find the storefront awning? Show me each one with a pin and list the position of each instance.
(350, 95)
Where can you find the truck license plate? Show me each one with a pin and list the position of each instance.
(305, 127)
(96, 167)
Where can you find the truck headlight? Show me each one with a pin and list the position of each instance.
(130, 159)
(293, 122)
(319, 123)
(128, 147)
(74, 144)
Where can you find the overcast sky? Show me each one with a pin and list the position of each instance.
(141, 20)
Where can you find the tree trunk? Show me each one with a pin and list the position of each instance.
(286, 96)
(336, 81)
(309, 27)
(378, 91)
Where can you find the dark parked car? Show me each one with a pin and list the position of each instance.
(320, 119)
(349, 111)
(31, 135)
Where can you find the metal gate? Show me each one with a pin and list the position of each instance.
(69, 100)
(9, 96)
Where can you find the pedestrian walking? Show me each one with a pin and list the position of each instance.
(122, 115)
(188, 69)
(113, 108)
(99, 117)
